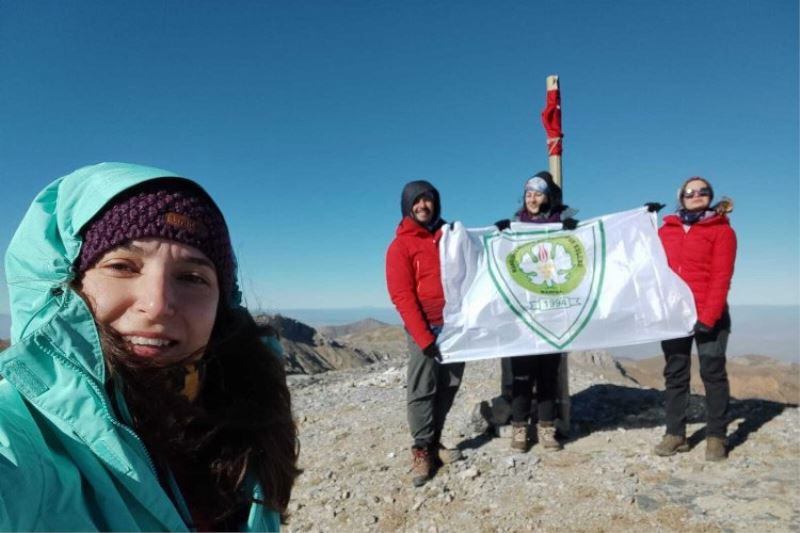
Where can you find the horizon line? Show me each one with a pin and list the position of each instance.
(360, 307)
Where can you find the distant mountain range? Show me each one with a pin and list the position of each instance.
(339, 317)
(353, 327)
(757, 329)
(310, 351)
(770, 330)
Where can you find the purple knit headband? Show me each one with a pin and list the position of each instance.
(173, 209)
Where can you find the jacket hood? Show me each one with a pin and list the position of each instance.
(39, 260)
(411, 192)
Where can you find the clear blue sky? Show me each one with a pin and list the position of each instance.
(305, 119)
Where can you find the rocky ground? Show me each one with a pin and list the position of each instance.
(356, 459)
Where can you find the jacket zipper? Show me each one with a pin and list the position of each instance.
(683, 241)
(175, 494)
(106, 410)
(120, 425)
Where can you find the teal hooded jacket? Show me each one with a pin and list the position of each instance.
(67, 463)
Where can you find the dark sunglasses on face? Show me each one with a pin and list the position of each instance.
(691, 193)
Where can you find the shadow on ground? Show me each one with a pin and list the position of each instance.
(607, 407)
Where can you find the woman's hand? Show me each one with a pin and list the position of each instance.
(569, 224)
(700, 327)
(502, 224)
(654, 207)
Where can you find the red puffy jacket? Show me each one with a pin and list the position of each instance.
(413, 277)
(703, 257)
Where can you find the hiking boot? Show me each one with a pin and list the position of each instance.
(519, 436)
(715, 449)
(546, 435)
(670, 445)
(445, 455)
(421, 466)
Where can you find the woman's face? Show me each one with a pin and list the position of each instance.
(534, 201)
(696, 195)
(159, 295)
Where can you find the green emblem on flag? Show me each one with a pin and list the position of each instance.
(549, 266)
(551, 280)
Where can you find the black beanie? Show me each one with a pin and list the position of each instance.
(412, 191)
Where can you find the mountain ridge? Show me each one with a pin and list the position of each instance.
(307, 351)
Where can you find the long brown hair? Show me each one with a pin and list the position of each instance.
(240, 425)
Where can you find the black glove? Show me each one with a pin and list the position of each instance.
(699, 327)
(654, 207)
(569, 223)
(502, 224)
(433, 352)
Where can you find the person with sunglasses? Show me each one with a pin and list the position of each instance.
(701, 248)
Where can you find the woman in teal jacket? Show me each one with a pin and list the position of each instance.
(138, 394)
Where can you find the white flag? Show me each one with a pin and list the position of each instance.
(536, 288)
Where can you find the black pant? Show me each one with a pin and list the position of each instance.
(541, 372)
(506, 378)
(711, 353)
(431, 389)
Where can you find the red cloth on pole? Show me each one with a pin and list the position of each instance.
(551, 118)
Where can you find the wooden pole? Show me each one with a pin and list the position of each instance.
(554, 160)
(564, 401)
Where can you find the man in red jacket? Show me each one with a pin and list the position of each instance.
(415, 287)
(701, 248)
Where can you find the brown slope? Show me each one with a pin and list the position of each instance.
(750, 376)
(307, 351)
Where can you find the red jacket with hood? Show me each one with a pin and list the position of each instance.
(703, 256)
(413, 271)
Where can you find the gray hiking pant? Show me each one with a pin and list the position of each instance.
(431, 389)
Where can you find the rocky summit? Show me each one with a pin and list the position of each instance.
(309, 351)
(356, 460)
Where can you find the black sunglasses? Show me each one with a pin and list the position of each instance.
(691, 193)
